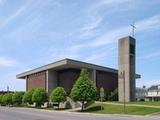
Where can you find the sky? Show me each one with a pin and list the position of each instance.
(37, 32)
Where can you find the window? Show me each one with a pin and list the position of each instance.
(132, 49)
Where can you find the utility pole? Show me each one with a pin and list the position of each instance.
(124, 91)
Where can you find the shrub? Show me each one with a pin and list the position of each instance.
(58, 95)
(1, 97)
(113, 96)
(7, 99)
(27, 97)
(142, 99)
(39, 96)
(17, 98)
(84, 89)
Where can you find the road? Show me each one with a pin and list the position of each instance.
(34, 114)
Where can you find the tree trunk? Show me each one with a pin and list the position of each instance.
(82, 108)
(58, 105)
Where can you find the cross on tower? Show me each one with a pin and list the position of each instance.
(133, 28)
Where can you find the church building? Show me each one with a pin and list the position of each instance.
(65, 72)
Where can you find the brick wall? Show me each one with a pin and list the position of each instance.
(107, 80)
(37, 80)
(66, 78)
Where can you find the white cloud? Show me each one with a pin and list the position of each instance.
(13, 83)
(15, 14)
(7, 62)
(108, 3)
(155, 54)
(149, 23)
(112, 35)
(89, 29)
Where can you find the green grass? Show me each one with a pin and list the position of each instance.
(146, 103)
(141, 103)
(118, 109)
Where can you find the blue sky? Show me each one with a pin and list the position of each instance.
(37, 32)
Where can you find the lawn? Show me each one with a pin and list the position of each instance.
(117, 109)
(146, 103)
(140, 103)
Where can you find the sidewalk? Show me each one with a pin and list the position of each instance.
(129, 104)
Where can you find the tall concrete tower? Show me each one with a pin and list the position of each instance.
(126, 71)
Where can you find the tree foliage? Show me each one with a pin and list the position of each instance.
(84, 89)
(58, 95)
(27, 97)
(17, 98)
(39, 96)
(113, 96)
(1, 97)
(7, 99)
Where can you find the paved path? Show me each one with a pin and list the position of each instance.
(129, 104)
(34, 114)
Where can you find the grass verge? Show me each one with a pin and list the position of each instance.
(117, 109)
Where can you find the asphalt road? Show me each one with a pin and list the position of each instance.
(33, 114)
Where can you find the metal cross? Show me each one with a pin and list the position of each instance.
(133, 28)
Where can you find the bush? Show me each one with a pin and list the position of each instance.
(27, 97)
(58, 95)
(39, 96)
(17, 98)
(113, 96)
(1, 97)
(7, 99)
(142, 99)
(84, 89)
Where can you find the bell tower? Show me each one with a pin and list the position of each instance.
(126, 69)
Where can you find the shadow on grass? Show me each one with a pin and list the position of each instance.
(92, 109)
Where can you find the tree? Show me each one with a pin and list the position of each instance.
(58, 95)
(84, 89)
(39, 96)
(113, 96)
(17, 98)
(7, 99)
(27, 97)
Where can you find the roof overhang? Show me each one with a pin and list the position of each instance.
(65, 63)
(68, 63)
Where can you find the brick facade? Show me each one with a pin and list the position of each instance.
(66, 78)
(107, 80)
(37, 80)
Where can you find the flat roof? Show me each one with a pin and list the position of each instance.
(67, 63)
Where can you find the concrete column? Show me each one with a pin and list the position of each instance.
(52, 80)
(92, 76)
(26, 78)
